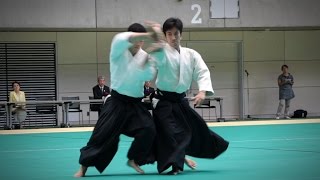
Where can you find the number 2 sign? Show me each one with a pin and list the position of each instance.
(196, 19)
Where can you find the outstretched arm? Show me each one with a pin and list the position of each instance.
(123, 41)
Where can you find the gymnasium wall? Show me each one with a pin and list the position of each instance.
(108, 14)
(82, 56)
(270, 33)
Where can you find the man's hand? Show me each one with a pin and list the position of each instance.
(154, 47)
(198, 99)
(156, 31)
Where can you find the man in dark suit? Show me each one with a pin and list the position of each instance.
(148, 89)
(99, 92)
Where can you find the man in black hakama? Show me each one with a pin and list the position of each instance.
(123, 112)
(180, 130)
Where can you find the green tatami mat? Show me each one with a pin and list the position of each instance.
(269, 152)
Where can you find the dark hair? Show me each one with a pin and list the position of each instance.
(171, 23)
(136, 27)
(15, 82)
(284, 66)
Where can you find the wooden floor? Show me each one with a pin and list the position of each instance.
(211, 124)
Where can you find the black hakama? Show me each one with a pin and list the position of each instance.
(182, 131)
(120, 115)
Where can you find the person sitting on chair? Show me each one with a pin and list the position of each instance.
(148, 89)
(19, 110)
(100, 91)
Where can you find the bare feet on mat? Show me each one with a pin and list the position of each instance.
(135, 166)
(174, 171)
(190, 163)
(82, 172)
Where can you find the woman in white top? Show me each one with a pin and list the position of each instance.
(19, 109)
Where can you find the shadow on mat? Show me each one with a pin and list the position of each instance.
(186, 172)
(122, 174)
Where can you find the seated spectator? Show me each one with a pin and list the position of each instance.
(19, 109)
(148, 89)
(100, 91)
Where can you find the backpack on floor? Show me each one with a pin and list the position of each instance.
(300, 113)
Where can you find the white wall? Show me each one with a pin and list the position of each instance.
(265, 52)
(47, 14)
(118, 14)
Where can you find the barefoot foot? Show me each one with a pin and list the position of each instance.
(175, 170)
(190, 163)
(82, 172)
(172, 172)
(135, 166)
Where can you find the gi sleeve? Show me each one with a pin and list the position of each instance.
(119, 44)
(201, 74)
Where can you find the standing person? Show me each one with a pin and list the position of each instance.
(19, 110)
(100, 91)
(181, 130)
(285, 82)
(123, 112)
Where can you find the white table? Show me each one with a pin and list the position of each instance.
(66, 103)
(219, 99)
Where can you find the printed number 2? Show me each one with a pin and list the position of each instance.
(196, 19)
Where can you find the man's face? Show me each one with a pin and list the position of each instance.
(136, 46)
(147, 84)
(285, 70)
(101, 82)
(173, 37)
